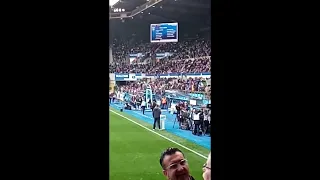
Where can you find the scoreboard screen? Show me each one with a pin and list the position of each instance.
(164, 32)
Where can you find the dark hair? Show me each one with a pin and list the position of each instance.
(168, 151)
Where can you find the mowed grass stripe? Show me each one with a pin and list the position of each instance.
(135, 152)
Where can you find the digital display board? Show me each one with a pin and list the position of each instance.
(164, 32)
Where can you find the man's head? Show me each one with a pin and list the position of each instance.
(207, 169)
(174, 165)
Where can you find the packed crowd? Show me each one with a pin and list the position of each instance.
(190, 56)
(190, 118)
(187, 49)
(197, 65)
(159, 85)
(121, 49)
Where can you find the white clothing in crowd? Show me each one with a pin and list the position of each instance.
(196, 117)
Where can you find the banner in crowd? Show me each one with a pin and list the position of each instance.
(163, 55)
(134, 77)
(134, 58)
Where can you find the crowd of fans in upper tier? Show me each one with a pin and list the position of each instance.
(189, 56)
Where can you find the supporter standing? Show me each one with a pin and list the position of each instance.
(143, 106)
(156, 115)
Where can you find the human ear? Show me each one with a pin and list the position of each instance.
(165, 173)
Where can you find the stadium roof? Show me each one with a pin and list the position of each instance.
(173, 10)
(113, 2)
(192, 15)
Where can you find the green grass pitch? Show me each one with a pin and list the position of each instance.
(135, 151)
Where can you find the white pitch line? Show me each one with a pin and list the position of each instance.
(160, 135)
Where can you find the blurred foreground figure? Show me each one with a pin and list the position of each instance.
(207, 169)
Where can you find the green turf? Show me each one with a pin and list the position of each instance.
(135, 152)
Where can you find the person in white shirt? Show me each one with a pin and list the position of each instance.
(196, 119)
(143, 105)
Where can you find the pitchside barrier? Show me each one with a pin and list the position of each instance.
(162, 121)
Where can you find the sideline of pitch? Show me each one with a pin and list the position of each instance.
(168, 119)
(160, 135)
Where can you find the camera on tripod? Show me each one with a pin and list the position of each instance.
(183, 120)
(184, 116)
(181, 115)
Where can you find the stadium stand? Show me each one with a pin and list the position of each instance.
(174, 75)
(181, 72)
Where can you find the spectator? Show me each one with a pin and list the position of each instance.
(190, 56)
(174, 165)
(156, 115)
